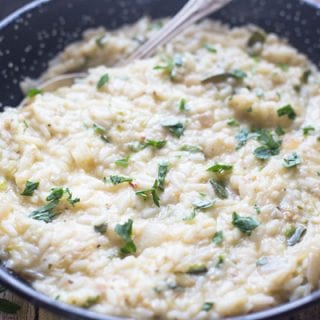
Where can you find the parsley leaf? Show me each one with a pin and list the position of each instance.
(291, 160)
(297, 235)
(270, 146)
(117, 179)
(219, 189)
(210, 48)
(287, 111)
(203, 203)
(100, 132)
(218, 238)
(183, 105)
(30, 188)
(279, 131)
(124, 231)
(244, 224)
(33, 92)
(124, 162)
(220, 168)
(153, 191)
(207, 306)
(236, 74)
(162, 172)
(99, 42)
(191, 216)
(242, 137)
(171, 66)
(90, 301)
(101, 228)
(197, 269)
(71, 200)
(256, 37)
(138, 146)
(174, 126)
(307, 130)
(190, 148)
(262, 261)
(103, 80)
(233, 123)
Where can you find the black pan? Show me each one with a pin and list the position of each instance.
(33, 35)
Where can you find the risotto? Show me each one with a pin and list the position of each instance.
(181, 186)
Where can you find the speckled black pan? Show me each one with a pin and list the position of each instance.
(33, 35)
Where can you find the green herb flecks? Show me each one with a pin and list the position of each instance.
(233, 123)
(46, 213)
(279, 131)
(115, 180)
(90, 301)
(270, 146)
(103, 80)
(220, 261)
(255, 43)
(124, 231)
(207, 306)
(124, 162)
(100, 132)
(30, 188)
(162, 173)
(152, 191)
(219, 189)
(305, 76)
(257, 208)
(175, 127)
(244, 224)
(183, 105)
(100, 228)
(197, 269)
(262, 261)
(217, 238)
(242, 137)
(220, 168)
(33, 92)
(292, 160)
(191, 149)
(283, 66)
(191, 216)
(171, 66)
(138, 146)
(99, 42)
(210, 48)
(307, 130)
(203, 204)
(236, 74)
(288, 111)
(297, 235)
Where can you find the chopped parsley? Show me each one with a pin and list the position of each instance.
(152, 191)
(175, 127)
(197, 269)
(203, 203)
(190, 148)
(218, 238)
(99, 42)
(220, 261)
(283, 66)
(171, 65)
(100, 132)
(183, 105)
(210, 48)
(262, 261)
(291, 160)
(220, 168)
(90, 301)
(233, 123)
(297, 235)
(30, 188)
(236, 74)
(244, 224)
(279, 131)
(124, 162)
(270, 146)
(103, 80)
(162, 172)
(8, 307)
(242, 137)
(287, 110)
(191, 216)
(100, 228)
(124, 231)
(33, 92)
(46, 213)
(305, 76)
(257, 208)
(207, 306)
(138, 146)
(117, 179)
(219, 189)
(256, 37)
(308, 129)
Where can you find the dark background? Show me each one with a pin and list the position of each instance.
(7, 6)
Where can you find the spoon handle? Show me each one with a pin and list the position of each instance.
(193, 11)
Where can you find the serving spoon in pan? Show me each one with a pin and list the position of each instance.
(193, 11)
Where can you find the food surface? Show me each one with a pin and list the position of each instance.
(184, 186)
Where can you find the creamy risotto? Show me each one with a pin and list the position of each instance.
(181, 186)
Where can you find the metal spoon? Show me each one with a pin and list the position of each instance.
(193, 11)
